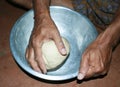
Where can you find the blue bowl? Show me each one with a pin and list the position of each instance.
(75, 27)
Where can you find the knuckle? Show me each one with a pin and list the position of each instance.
(35, 67)
(40, 62)
(35, 41)
(99, 69)
(55, 33)
(37, 59)
(30, 61)
(43, 33)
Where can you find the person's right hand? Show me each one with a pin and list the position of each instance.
(44, 30)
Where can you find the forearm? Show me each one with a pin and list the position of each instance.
(41, 7)
(111, 35)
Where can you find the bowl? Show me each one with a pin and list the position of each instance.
(75, 27)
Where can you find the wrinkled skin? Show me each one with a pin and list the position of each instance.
(96, 59)
(44, 30)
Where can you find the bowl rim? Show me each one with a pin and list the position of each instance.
(28, 69)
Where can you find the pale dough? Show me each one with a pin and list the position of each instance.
(51, 55)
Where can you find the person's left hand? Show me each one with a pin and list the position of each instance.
(95, 60)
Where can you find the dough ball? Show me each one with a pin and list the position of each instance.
(51, 55)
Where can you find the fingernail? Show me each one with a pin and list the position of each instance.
(80, 76)
(63, 51)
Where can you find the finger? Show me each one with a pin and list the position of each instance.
(90, 72)
(39, 59)
(31, 60)
(96, 65)
(84, 66)
(26, 54)
(59, 43)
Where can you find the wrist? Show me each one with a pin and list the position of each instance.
(103, 39)
(108, 38)
(41, 15)
(43, 18)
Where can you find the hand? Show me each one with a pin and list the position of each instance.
(95, 60)
(44, 30)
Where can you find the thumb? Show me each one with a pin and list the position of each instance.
(84, 67)
(60, 45)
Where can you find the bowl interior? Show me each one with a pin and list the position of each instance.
(76, 28)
